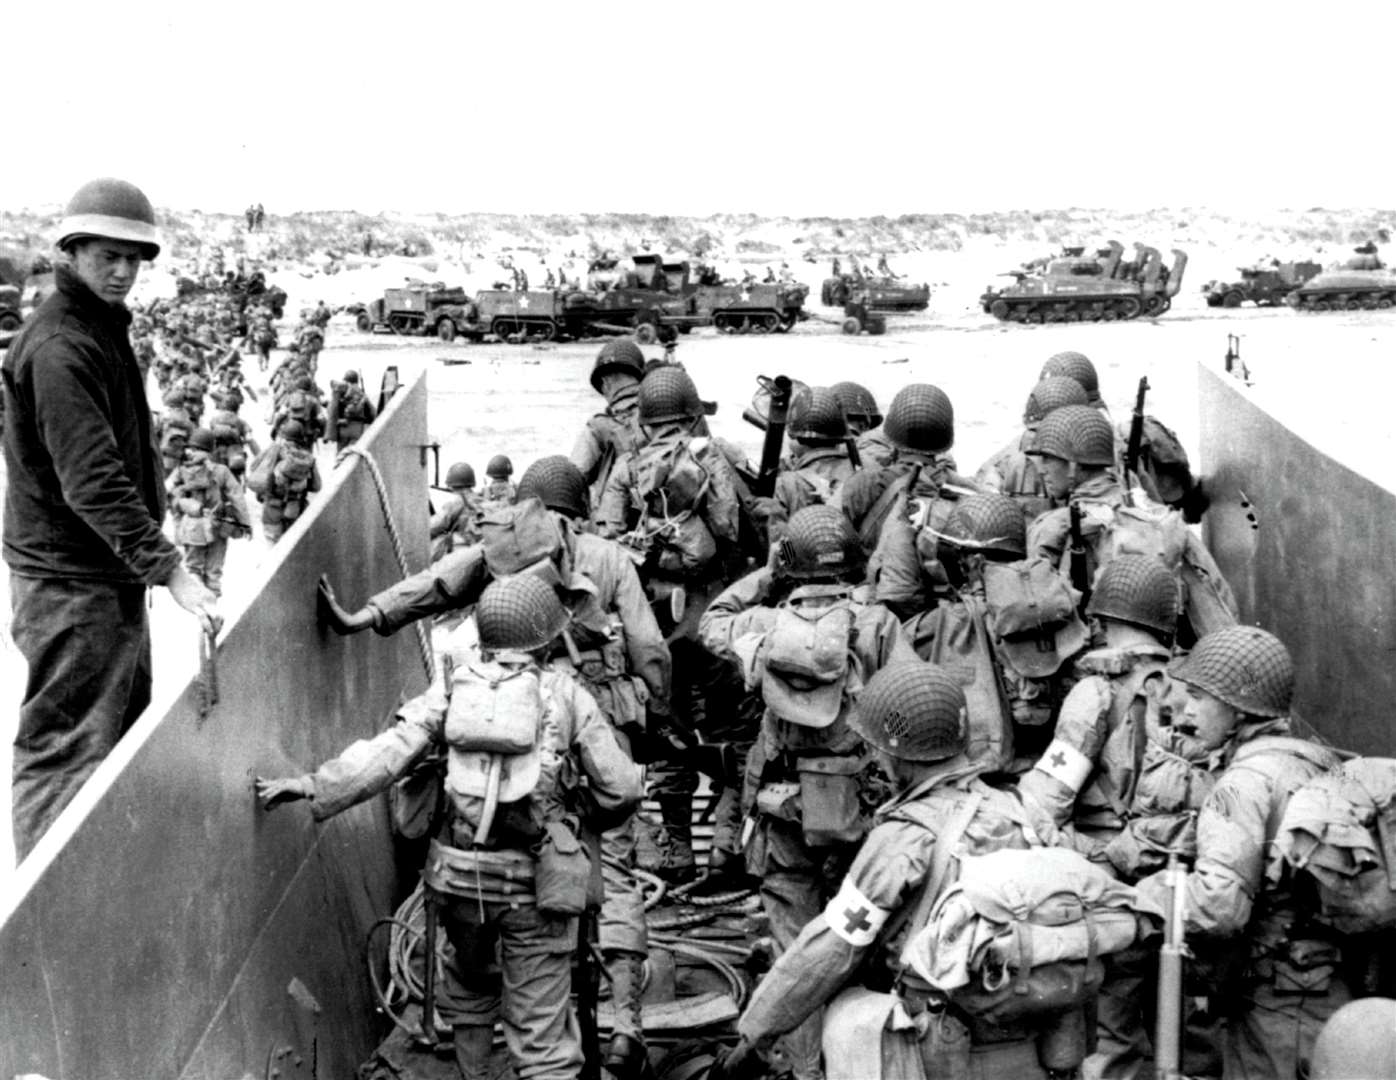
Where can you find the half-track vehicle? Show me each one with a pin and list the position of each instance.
(417, 309)
(758, 309)
(876, 292)
(1075, 287)
(1265, 284)
(1363, 282)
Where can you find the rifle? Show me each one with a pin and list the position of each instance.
(1135, 445)
(586, 975)
(1080, 578)
(1168, 1029)
(781, 389)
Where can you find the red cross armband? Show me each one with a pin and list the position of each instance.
(853, 917)
(1064, 763)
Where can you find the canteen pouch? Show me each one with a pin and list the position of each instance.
(830, 812)
(945, 1045)
(854, 1020)
(562, 878)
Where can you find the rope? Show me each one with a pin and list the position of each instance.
(423, 641)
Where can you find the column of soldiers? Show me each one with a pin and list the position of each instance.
(885, 667)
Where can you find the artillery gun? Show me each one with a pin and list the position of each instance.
(1266, 284)
(1362, 283)
(1075, 287)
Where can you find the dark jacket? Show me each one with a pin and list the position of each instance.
(85, 496)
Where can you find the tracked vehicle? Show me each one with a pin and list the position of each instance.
(1101, 288)
(1264, 284)
(1362, 283)
(874, 292)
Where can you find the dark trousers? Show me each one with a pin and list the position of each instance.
(87, 644)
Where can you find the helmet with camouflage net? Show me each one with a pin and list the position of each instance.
(858, 402)
(921, 418)
(460, 475)
(1052, 393)
(1358, 1042)
(111, 209)
(1247, 667)
(667, 393)
(499, 468)
(519, 613)
(1076, 433)
(820, 543)
(557, 483)
(201, 439)
(618, 354)
(914, 711)
(1137, 589)
(1074, 365)
(818, 417)
(988, 522)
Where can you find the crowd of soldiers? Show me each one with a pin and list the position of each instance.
(885, 666)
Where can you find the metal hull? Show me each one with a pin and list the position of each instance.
(168, 929)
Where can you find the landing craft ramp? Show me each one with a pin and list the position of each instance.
(166, 928)
(1309, 546)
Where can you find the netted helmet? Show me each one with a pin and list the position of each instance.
(1358, 1042)
(1074, 365)
(618, 354)
(1076, 433)
(351, 376)
(519, 613)
(1247, 667)
(1052, 393)
(818, 417)
(557, 483)
(499, 468)
(1137, 589)
(858, 402)
(110, 208)
(914, 711)
(201, 439)
(293, 430)
(820, 543)
(667, 393)
(460, 475)
(921, 418)
(988, 522)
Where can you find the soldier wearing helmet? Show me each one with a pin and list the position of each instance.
(539, 805)
(806, 632)
(617, 651)
(1077, 366)
(350, 412)
(614, 432)
(499, 490)
(1295, 973)
(293, 476)
(208, 508)
(913, 717)
(1013, 471)
(456, 522)
(819, 462)
(84, 502)
(864, 419)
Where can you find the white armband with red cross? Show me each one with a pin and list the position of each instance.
(853, 917)
(1065, 763)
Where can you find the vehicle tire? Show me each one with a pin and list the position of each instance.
(999, 310)
(1354, 304)
(1153, 306)
(1129, 308)
(363, 322)
(446, 330)
(1232, 298)
(1384, 303)
(501, 328)
(853, 325)
(10, 321)
(646, 333)
(877, 325)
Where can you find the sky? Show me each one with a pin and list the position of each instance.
(796, 109)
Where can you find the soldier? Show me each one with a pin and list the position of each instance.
(608, 435)
(499, 491)
(1075, 365)
(172, 430)
(232, 435)
(264, 338)
(1293, 973)
(620, 655)
(350, 412)
(1013, 471)
(293, 476)
(456, 523)
(810, 656)
(819, 464)
(864, 421)
(208, 508)
(913, 716)
(540, 802)
(302, 405)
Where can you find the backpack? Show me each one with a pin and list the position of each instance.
(671, 487)
(259, 473)
(1033, 616)
(354, 405)
(298, 407)
(519, 537)
(227, 431)
(1339, 832)
(803, 661)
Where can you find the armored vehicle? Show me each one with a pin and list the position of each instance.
(1266, 284)
(418, 309)
(875, 292)
(1361, 283)
(1075, 287)
(757, 309)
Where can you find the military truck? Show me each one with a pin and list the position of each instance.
(1265, 284)
(417, 309)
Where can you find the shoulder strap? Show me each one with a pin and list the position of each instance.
(1285, 744)
(915, 916)
(877, 513)
(1121, 709)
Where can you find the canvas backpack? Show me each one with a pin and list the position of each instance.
(671, 488)
(354, 405)
(260, 472)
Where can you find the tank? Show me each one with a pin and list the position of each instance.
(1265, 284)
(1075, 287)
(1362, 283)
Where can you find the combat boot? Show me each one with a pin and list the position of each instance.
(677, 865)
(474, 1046)
(626, 1057)
(726, 872)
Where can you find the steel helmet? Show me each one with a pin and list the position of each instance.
(110, 208)
(1358, 1042)
(1074, 365)
(858, 402)
(1052, 393)
(921, 418)
(820, 543)
(817, 417)
(914, 711)
(201, 439)
(519, 613)
(1137, 589)
(351, 376)
(1076, 433)
(618, 354)
(1247, 667)
(557, 483)
(667, 393)
(499, 468)
(293, 430)
(460, 475)
(988, 522)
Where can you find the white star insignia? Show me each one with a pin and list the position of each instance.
(523, 301)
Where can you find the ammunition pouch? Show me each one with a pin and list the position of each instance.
(563, 873)
(493, 877)
(780, 800)
(830, 810)
(1303, 966)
